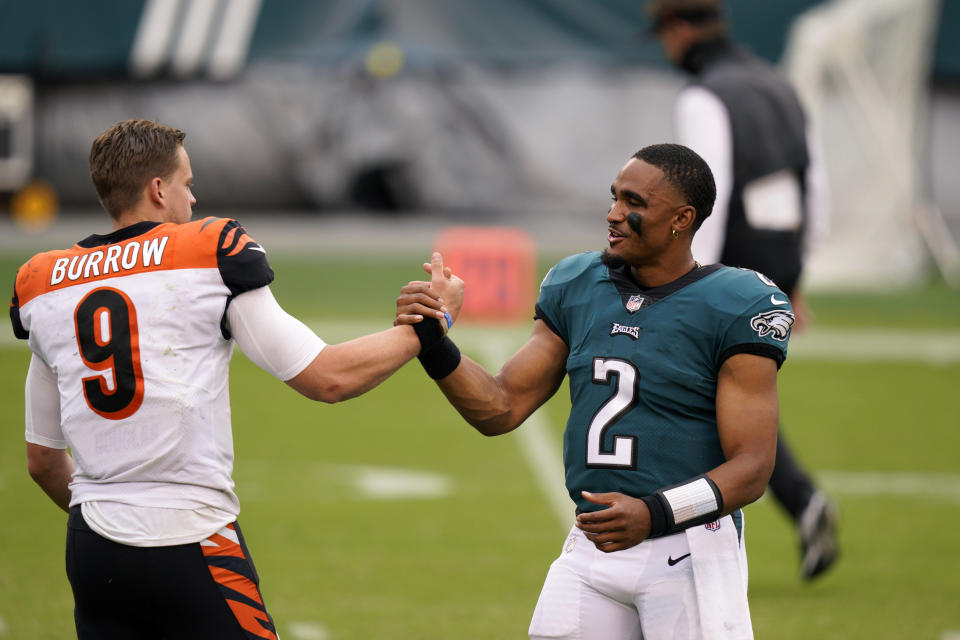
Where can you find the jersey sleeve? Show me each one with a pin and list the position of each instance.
(18, 329)
(549, 303)
(242, 262)
(762, 327)
(273, 339)
(42, 415)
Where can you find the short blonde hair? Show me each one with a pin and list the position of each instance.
(126, 156)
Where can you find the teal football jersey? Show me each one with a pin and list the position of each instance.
(643, 367)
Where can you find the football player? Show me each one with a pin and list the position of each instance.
(672, 368)
(131, 334)
(747, 122)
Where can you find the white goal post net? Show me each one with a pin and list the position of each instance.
(862, 69)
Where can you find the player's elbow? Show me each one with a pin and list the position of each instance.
(494, 426)
(328, 392)
(759, 470)
(42, 463)
(487, 430)
(320, 385)
(38, 471)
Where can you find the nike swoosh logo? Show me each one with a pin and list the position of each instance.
(256, 248)
(671, 561)
(774, 300)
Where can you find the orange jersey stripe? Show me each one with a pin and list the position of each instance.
(235, 581)
(225, 547)
(167, 246)
(250, 618)
(241, 243)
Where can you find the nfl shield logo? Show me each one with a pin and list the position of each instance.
(713, 526)
(634, 303)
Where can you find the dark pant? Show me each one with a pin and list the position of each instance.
(183, 591)
(791, 485)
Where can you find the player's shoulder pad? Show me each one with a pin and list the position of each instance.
(571, 268)
(242, 261)
(748, 285)
(228, 234)
(210, 226)
(21, 281)
(752, 295)
(32, 274)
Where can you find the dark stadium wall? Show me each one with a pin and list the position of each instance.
(304, 124)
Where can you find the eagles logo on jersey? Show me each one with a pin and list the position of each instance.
(775, 324)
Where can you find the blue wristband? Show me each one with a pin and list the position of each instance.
(446, 315)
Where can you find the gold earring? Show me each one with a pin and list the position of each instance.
(674, 233)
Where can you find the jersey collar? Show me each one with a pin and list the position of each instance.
(628, 288)
(119, 235)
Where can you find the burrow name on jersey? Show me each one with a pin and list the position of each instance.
(116, 258)
(621, 329)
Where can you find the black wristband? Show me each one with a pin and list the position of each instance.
(429, 332)
(441, 359)
(662, 512)
(658, 515)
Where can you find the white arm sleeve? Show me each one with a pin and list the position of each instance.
(273, 339)
(703, 125)
(818, 197)
(42, 401)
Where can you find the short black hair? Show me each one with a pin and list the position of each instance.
(696, 12)
(688, 172)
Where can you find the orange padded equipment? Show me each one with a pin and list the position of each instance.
(499, 267)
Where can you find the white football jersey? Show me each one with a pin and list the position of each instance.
(133, 326)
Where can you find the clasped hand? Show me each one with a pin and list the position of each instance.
(624, 523)
(441, 295)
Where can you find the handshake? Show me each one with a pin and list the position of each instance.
(431, 308)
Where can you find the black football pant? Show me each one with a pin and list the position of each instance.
(188, 591)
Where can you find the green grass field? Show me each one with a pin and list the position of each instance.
(388, 517)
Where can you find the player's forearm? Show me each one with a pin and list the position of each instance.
(52, 470)
(349, 369)
(479, 398)
(743, 478)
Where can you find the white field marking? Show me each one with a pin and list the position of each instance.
(307, 631)
(539, 447)
(385, 483)
(3, 627)
(950, 634)
(362, 481)
(938, 486)
(870, 345)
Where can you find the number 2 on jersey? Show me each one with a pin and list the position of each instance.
(624, 453)
(107, 334)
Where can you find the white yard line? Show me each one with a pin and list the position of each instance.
(306, 631)
(877, 345)
(932, 485)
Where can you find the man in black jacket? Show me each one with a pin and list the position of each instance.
(746, 121)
